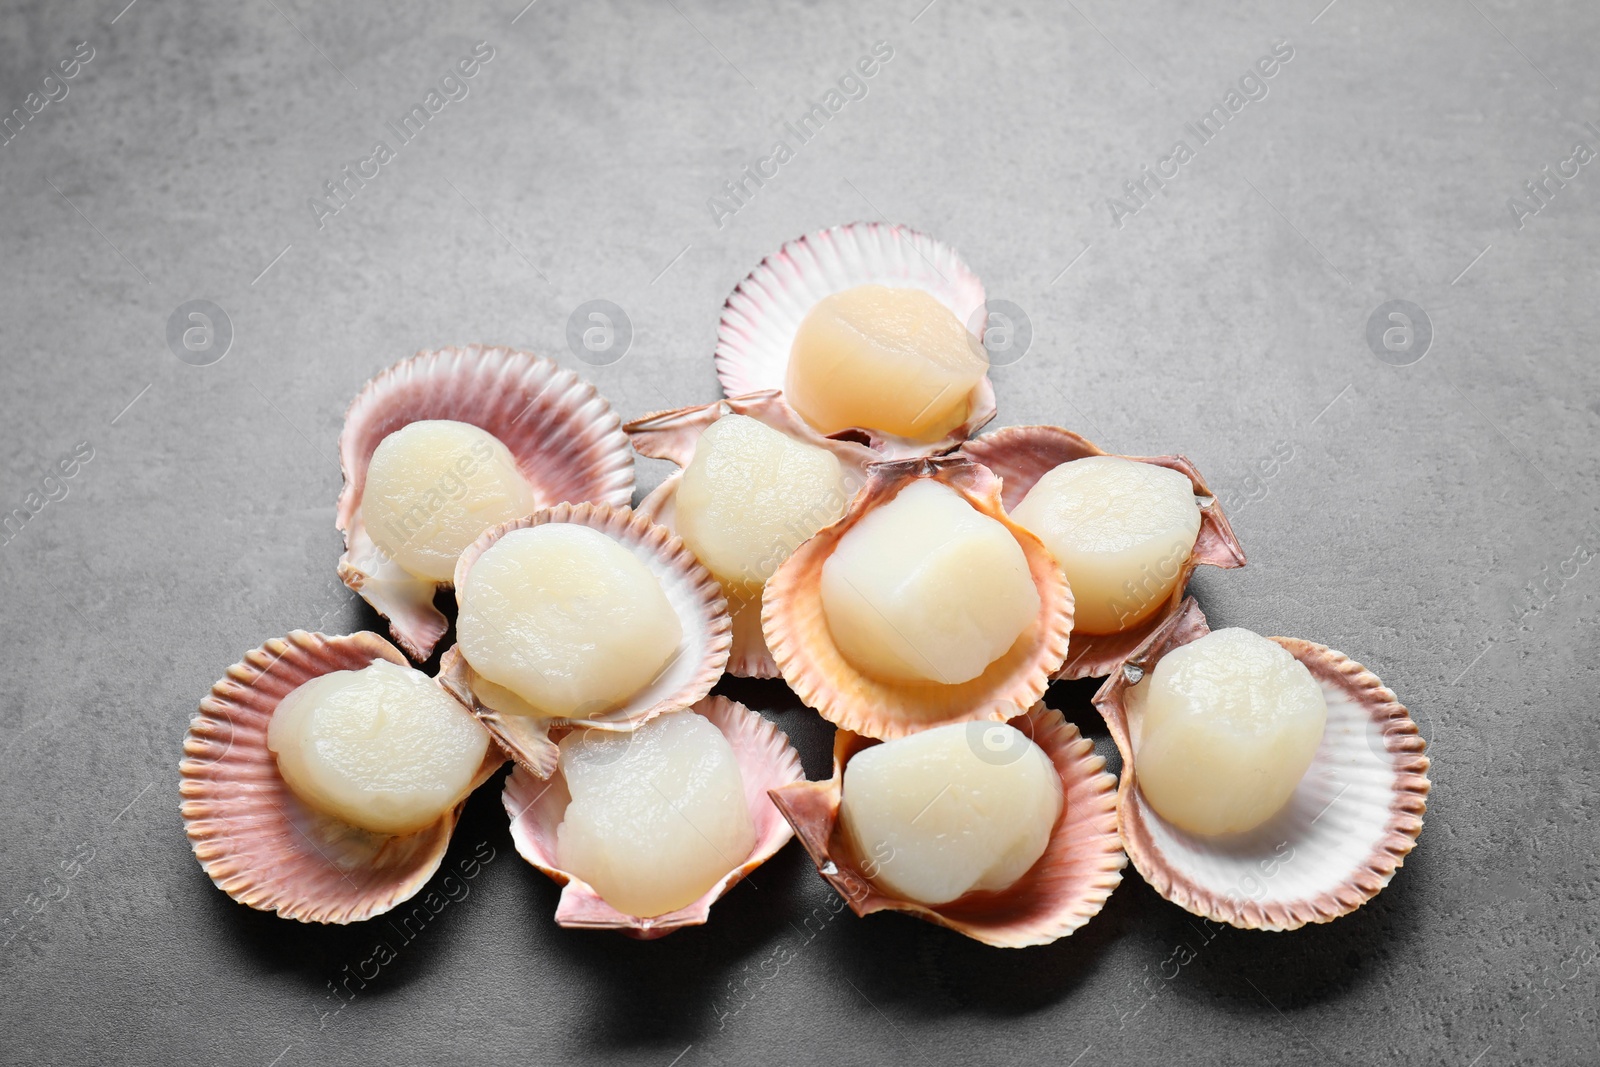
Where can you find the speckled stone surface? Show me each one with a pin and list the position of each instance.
(1437, 520)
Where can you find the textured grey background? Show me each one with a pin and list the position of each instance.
(1428, 522)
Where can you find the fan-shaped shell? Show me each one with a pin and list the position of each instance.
(256, 839)
(761, 317)
(691, 590)
(1021, 455)
(565, 438)
(1066, 888)
(1339, 840)
(796, 627)
(672, 435)
(767, 762)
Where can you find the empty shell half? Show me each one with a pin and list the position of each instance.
(254, 836)
(1066, 887)
(924, 605)
(527, 434)
(771, 495)
(766, 762)
(1022, 455)
(681, 616)
(766, 311)
(1336, 842)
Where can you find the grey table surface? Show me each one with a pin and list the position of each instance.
(1427, 504)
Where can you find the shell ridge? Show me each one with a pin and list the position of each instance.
(694, 594)
(673, 435)
(801, 644)
(566, 439)
(256, 840)
(759, 318)
(1020, 455)
(1067, 886)
(1329, 890)
(766, 761)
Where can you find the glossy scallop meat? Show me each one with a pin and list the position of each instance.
(563, 438)
(690, 670)
(827, 676)
(766, 762)
(1340, 837)
(765, 312)
(1021, 455)
(784, 523)
(258, 840)
(1066, 887)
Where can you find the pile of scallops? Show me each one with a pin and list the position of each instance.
(835, 521)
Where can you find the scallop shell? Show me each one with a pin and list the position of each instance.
(672, 435)
(1021, 455)
(256, 839)
(566, 440)
(797, 631)
(1065, 889)
(689, 676)
(1339, 840)
(767, 762)
(762, 315)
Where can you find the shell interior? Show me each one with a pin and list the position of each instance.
(691, 590)
(255, 838)
(565, 438)
(672, 435)
(766, 762)
(797, 632)
(1336, 843)
(1063, 890)
(1021, 455)
(764, 312)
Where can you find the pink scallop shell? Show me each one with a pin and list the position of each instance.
(688, 677)
(767, 762)
(566, 440)
(1021, 455)
(256, 839)
(672, 435)
(1347, 828)
(802, 644)
(1065, 889)
(762, 315)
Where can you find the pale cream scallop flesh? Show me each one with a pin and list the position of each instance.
(561, 621)
(951, 810)
(1121, 531)
(1230, 724)
(890, 359)
(751, 495)
(432, 487)
(383, 748)
(657, 817)
(926, 589)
